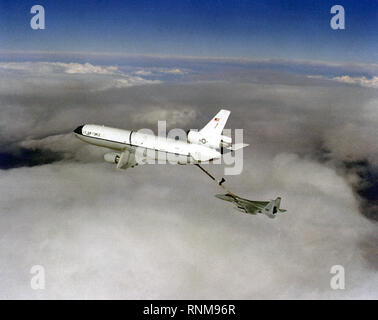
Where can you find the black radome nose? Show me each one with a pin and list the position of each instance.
(78, 130)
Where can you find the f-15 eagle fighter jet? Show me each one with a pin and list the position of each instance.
(269, 208)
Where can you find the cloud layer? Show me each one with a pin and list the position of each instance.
(157, 231)
(361, 81)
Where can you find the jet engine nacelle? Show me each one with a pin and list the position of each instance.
(215, 141)
(112, 157)
(226, 141)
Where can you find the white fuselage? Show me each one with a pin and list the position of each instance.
(120, 140)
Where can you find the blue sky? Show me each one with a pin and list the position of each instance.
(250, 29)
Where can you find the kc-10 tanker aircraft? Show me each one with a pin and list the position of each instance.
(133, 148)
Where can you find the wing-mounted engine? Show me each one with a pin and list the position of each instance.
(112, 157)
(123, 160)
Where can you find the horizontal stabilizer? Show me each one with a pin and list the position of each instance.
(237, 146)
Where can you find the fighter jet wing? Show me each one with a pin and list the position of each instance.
(253, 207)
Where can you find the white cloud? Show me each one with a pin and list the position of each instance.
(172, 71)
(362, 81)
(143, 73)
(51, 67)
(125, 82)
(160, 71)
(315, 77)
(87, 68)
(149, 233)
(55, 74)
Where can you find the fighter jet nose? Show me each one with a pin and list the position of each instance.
(79, 130)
